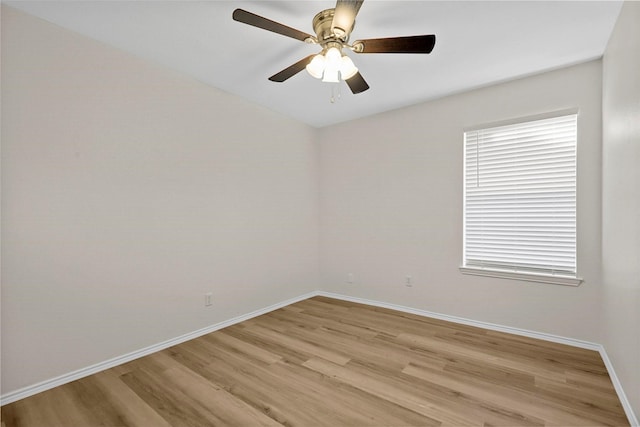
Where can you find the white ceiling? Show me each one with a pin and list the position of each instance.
(477, 43)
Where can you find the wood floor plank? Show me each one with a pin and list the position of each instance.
(226, 407)
(443, 346)
(448, 400)
(519, 406)
(390, 393)
(350, 405)
(351, 399)
(369, 349)
(134, 410)
(289, 400)
(168, 401)
(243, 347)
(309, 348)
(55, 408)
(337, 325)
(327, 362)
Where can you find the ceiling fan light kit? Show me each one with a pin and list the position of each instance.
(327, 64)
(333, 28)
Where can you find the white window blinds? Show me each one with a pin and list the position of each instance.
(520, 197)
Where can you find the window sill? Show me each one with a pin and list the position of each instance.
(528, 277)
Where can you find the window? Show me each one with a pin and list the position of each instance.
(520, 201)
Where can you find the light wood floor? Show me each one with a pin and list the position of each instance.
(324, 362)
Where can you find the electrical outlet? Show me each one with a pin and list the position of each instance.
(408, 281)
(208, 299)
(350, 278)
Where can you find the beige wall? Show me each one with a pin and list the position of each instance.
(128, 191)
(621, 200)
(391, 205)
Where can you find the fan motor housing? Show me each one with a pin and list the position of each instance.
(322, 27)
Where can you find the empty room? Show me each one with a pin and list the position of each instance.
(320, 213)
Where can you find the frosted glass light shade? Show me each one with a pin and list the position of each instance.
(347, 68)
(316, 66)
(332, 65)
(330, 76)
(333, 57)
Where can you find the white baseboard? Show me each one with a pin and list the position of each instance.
(626, 405)
(98, 367)
(90, 370)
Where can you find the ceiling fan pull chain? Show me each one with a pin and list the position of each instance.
(336, 94)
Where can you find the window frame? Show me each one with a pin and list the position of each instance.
(515, 274)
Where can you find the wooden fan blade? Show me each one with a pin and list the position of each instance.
(357, 83)
(249, 18)
(291, 70)
(410, 44)
(345, 16)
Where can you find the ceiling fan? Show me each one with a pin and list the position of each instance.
(333, 28)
